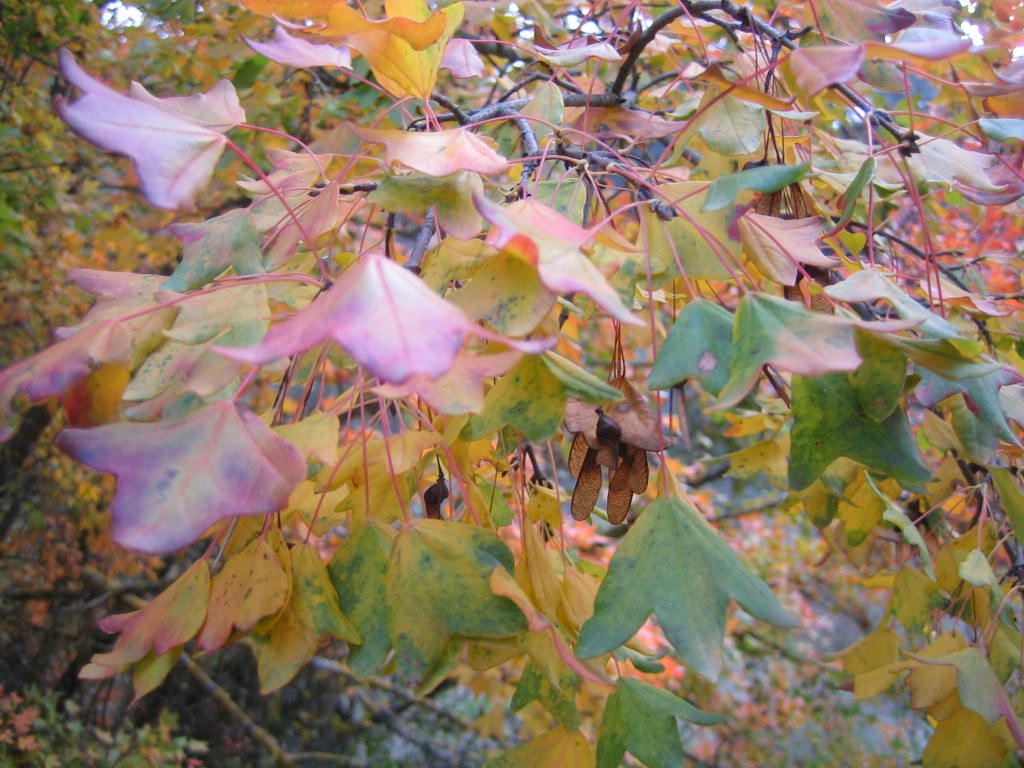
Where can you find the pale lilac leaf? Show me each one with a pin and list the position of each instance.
(817, 67)
(436, 153)
(576, 52)
(56, 369)
(296, 52)
(383, 316)
(461, 59)
(177, 478)
(552, 243)
(174, 143)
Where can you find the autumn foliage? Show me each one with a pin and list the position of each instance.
(597, 358)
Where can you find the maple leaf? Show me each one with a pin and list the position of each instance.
(296, 52)
(673, 564)
(698, 346)
(174, 143)
(461, 389)
(438, 589)
(829, 422)
(554, 749)
(386, 318)
(771, 330)
(178, 477)
(436, 153)
(251, 585)
(553, 244)
(56, 369)
(777, 246)
(461, 59)
(170, 620)
(642, 718)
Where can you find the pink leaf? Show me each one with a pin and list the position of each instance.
(777, 246)
(174, 143)
(552, 243)
(386, 318)
(56, 369)
(576, 52)
(461, 59)
(817, 67)
(438, 153)
(296, 52)
(461, 389)
(177, 478)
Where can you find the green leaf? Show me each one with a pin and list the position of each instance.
(850, 197)
(977, 684)
(911, 535)
(529, 397)
(981, 394)
(767, 178)
(358, 571)
(642, 719)
(881, 378)
(314, 598)
(210, 247)
(1012, 498)
(673, 564)
(438, 588)
(770, 330)
(697, 346)
(828, 422)
(559, 700)
(580, 383)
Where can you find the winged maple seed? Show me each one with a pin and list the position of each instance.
(617, 438)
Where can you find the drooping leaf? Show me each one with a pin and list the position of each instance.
(731, 126)
(385, 317)
(461, 389)
(673, 564)
(701, 244)
(438, 590)
(169, 621)
(554, 749)
(211, 246)
(297, 52)
(529, 397)
(311, 613)
(559, 700)
(358, 571)
(778, 246)
(981, 394)
(552, 243)
(829, 422)
(766, 178)
(579, 382)
(436, 153)
(461, 59)
(770, 330)
(55, 370)
(175, 142)
(251, 585)
(1011, 496)
(576, 52)
(641, 718)
(178, 477)
(817, 67)
(451, 197)
(506, 293)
